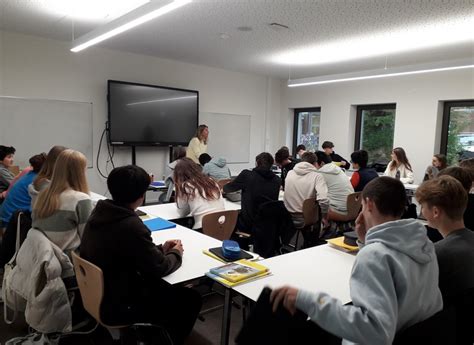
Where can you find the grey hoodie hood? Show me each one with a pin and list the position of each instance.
(304, 168)
(331, 169)
(220, 162)
(407, 236)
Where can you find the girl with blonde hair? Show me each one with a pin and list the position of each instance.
(62, 209)
(198, 144)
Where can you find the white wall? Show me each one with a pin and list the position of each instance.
(41, 68)
(417, 119)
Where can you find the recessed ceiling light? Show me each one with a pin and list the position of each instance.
(245, 28)
(224, 35)
(91, 9)
(382, 43)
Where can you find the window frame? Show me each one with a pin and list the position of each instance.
(295, 123)
(360, 109)
(447, 119)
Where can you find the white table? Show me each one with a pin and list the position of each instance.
(195, 262)
(320, 268)
(170, 211)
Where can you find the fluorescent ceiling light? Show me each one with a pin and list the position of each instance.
(130, 20)
(90, 9)
(163, 100)
(384, 73)
(382, 43)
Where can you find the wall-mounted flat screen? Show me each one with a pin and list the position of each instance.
(151, 115)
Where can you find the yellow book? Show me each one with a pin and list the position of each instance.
(339, 243)
(239, 270)
(208, 253)
(232, 284)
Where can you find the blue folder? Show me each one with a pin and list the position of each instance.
(156, 224)
(157, 184)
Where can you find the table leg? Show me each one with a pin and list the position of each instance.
(226, 317)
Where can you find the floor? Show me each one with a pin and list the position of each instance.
(205, 332)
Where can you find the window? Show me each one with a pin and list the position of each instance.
(457, 137)
(306, 128)
(374, 131)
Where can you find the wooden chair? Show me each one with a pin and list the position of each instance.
(90, 280)
(220, 225)
(311, 219)
(354, 204)
(223, 182)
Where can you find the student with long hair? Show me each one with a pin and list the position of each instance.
(400, 168)
(196, 193)
(198, 144)
(438, 163)
(62, 209)
(43, 179)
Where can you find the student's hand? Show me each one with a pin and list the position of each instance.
(179, 247)
(168, 245)
(325, 222)
(360, 227)
(343, 163)
(287, 296)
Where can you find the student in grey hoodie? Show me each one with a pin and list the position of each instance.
(214, 167)
(394, 281)
(339, 185)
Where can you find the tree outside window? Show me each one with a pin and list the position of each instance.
(375, 126)
(457, 140)
(306, 128)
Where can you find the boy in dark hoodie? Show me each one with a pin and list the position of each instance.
(116, 240)
(258, 186)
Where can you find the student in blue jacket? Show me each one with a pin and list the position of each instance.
(394, 281)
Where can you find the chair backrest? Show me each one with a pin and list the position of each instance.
(311, 214)
(223, 182)
(220, 225)
(91, 285)
(354, 204)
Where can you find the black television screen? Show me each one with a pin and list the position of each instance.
(151, 115)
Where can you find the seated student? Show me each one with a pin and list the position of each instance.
(394, 281)
(443, 201)
(284, 162)
(438, 163)
(62, 209)
(469, 165)
(6, 176)
(43, 179)
(339, 185)
(328, 148)
(304, 182)
(363, 175)
(400, 167)
(116, 240)
(196, 193)
(300, 150)
(18, 197)
(178, 153)
(214, 167)
(258, 186)
(463, 175)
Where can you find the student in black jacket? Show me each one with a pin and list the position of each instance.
(116, 240)
(328, 148)
(258, 186)
(284, 162)
(363, 175)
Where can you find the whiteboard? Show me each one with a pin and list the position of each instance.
(33, 126)
(229, 136)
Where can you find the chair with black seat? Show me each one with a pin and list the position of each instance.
(220, 225)
(223, 182)
(311, 227)
(439, 329)
(273, 228)
(90, 280)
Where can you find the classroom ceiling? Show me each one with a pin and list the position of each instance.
(345, 36)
